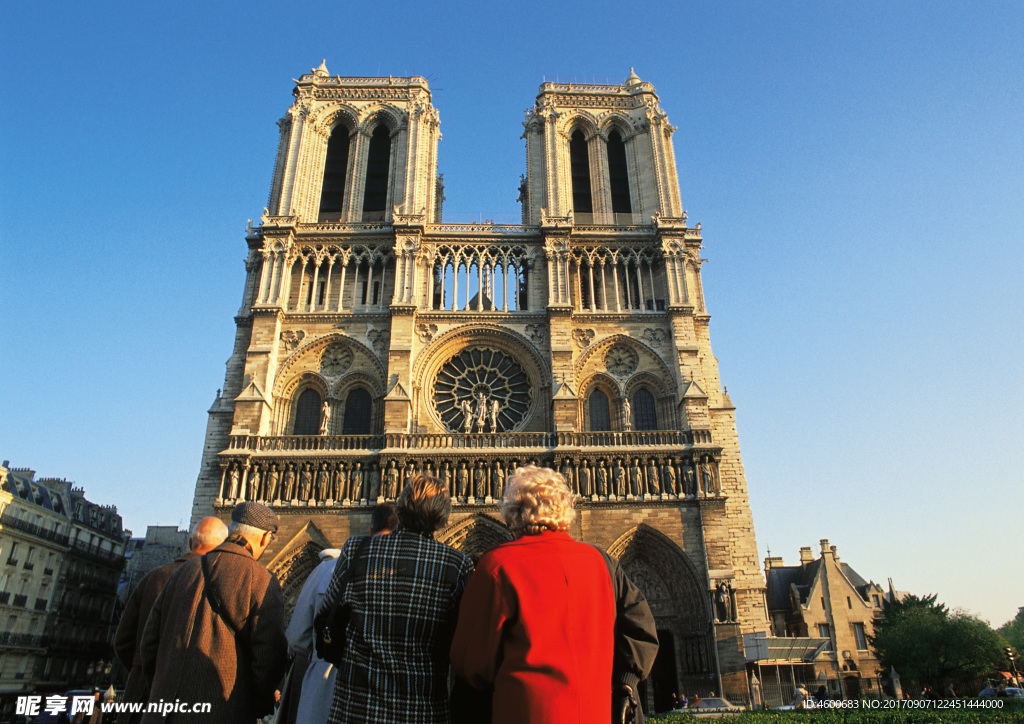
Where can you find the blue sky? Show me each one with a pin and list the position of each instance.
(858, 169)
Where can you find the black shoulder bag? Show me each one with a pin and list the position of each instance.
(329, 626)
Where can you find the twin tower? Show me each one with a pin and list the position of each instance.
(375, 341)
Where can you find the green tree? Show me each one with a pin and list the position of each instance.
(927, 644)
(1013, 631)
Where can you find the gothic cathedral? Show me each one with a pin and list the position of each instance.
(374, 340)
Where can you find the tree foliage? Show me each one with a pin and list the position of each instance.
(927, 644)
(1013, 631)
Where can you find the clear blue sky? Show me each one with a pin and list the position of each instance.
(858, 169)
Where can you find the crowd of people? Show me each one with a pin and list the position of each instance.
(543, 628)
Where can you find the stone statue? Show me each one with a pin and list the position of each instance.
(481, 412)
(723, 602)
(325, 418)
(467, 415)
(668, 475)
(289, 482)
(601, 478)
(707, 477)
(619, 479)
(336, 483)
(446, 476)
(234, 482)
(480, 481)
(497, 480)
(653, 483)
(495, 410)
(408, 474)
(373, 482)
(566, 472)
(355, 483)
(636, 478)
(391, 482)
(627, 414)
(274, 483)
(323, 483)
(583, 476)
(689, 479)
(306, 486)
(462, 481)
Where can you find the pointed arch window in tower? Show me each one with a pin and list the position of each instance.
(307, 413)
(600, 419)
(332, 193)
(618, 174)
(358, 409)
(579, 162)
(378, 161)
(645, 415)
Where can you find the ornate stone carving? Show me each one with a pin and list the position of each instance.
(621, 360)
(535, 333)
(426, 331)
(291, 339)
(335, 360)
(653, 337)
(583, 337)
(378, 339)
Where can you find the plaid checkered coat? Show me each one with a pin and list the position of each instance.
(404, 601)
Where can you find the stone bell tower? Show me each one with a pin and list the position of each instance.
(375, 341)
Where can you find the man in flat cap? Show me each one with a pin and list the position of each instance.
(216, 631)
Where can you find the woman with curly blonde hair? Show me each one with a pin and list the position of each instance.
(537, 623)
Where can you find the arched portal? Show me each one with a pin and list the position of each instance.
(672, 585)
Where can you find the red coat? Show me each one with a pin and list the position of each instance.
(537, 623)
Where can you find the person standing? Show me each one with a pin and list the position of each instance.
(317, 690)
(403, 592)
(551, 625)
(216, 631)
(206, 535)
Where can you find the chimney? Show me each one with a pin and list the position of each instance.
(805, 555)
(834, 554)
(772, 561)
(824, 546)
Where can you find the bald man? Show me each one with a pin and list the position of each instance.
(205, 536)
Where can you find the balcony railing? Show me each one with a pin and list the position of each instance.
(20, 600)
(5, 596)
(547, 441)
(96, 553)
(471, 441)
(9, 520)
(304, 443)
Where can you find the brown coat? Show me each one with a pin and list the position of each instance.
(191, 654)
(128, 639)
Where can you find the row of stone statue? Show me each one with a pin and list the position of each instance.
(643, 477)
(476, 481)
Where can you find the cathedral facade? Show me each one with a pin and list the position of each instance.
(374, 341)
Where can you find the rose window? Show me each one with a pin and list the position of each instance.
(481, 390)
(335, 360)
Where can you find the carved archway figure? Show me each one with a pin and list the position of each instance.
(296, 560)
(475, 535)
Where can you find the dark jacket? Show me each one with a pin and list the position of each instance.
(234, 661)
(404, 594)
(128, 638)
